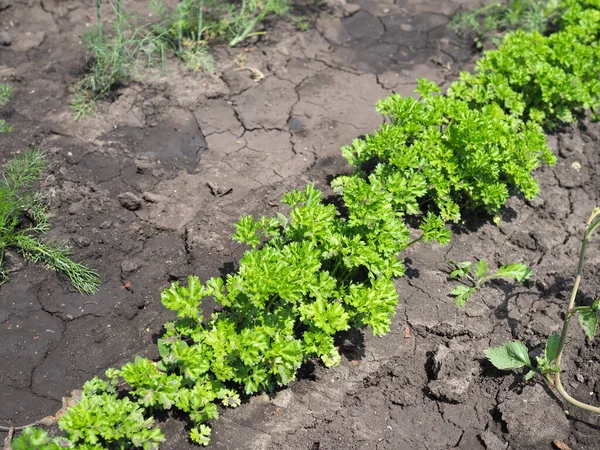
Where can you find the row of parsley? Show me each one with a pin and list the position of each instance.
(320, 270)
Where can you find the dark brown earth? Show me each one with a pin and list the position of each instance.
(129, 190)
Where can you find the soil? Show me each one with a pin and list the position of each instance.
(148, 189)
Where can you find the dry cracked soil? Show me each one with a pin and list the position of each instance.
(147, 191)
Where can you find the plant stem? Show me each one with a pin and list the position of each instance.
(2, 251)
(561, 390)
(591, 224)
(589, 228)
(335, 268)
(120, 20)
(180, 31)
(247, 32)
(200, 20)
(413, 242)
(99, 17)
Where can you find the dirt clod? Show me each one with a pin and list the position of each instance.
(130, 201)
(533, 418)
(454, 369)
(492, 442)
(5, 38)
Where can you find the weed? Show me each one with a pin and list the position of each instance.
(491, 21)
(5, 95)
(6, 91)
(193, 24)
(118, 56)
(478, 275)
(242, 23)
(302, 23)
(82, 101)
(187, 31)
(514, 355)
(5, 127)
(23, 216)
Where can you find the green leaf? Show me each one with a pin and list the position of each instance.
(163, 350)
(519, 272)
(329, 317)
(185, 300)
(552, 347)
(247, 231)
(530, 375)
(462, 269)
(481, 268)
(426, 87)
(200, 435)
(5, 93)
(589, 322)
(462, 294)
(434, 229)
(512, 355)
(31, 438)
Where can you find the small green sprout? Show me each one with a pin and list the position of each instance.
(5, 95)
(478, 275)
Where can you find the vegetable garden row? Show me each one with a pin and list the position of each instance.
(325, 268)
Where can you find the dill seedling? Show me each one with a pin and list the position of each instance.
(491, 21)
(117, 56)
(5, 94)
(252, 12)
(23, 217)
(186, 31)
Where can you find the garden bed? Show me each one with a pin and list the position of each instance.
(148, 189)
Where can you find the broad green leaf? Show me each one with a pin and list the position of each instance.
(589, 322)
(512, 355)
(163, 350)
(185, 300)
(552, 347)
(519, 272)
(481, 268)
